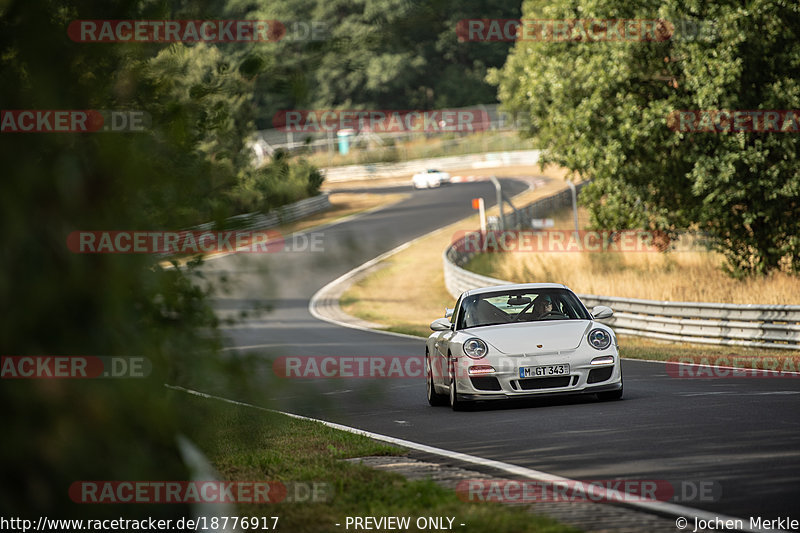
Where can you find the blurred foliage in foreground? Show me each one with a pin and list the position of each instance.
(601, 109)
(190, 165)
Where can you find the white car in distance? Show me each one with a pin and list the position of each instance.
(430, 178)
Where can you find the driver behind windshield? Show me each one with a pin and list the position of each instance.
(541, 306)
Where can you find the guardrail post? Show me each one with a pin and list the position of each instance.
(574, 208)
(499, 190)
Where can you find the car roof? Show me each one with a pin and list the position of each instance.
(513, 287)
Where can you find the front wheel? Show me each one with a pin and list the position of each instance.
(455, 403)
(434, 398)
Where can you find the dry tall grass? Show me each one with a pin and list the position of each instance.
(692, 276)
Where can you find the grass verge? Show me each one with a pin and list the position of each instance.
(247, 444)
(689, 274)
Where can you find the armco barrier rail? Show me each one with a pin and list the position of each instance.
(387, 170)
(282, 215)
(258, 221)
(765, 326)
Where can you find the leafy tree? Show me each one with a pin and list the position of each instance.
(279, 182)
(602, 109)
(375, 54)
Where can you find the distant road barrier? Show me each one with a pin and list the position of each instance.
(754, 325)
(281, 215)
(407, 168)
(257, 221)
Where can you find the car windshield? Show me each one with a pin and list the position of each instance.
(509, 307)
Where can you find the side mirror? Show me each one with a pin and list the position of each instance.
(448, 312)
(602, 311)
(441, 324)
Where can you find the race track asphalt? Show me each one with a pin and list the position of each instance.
(742, 435)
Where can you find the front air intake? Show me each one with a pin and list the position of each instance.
(485, 383)
(596, 375)
(544, 383)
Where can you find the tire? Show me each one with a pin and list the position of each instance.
(434, 398)
(455, 403)
(610, 395)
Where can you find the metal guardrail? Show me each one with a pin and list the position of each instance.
(387, 170)
(258, 221)
(754, 325)
(282, 215)
(773, 326)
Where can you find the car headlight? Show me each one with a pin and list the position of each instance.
(600, 339)
(475, 348)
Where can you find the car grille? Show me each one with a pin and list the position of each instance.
(596, 375)
(544, 383)
(485, 383)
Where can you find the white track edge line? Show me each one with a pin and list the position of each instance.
(652, 506)
(347, 276)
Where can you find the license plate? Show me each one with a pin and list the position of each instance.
(543, 371)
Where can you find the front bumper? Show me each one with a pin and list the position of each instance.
(506, 383)
(483, 395)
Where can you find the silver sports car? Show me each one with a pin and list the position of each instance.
(514, 341)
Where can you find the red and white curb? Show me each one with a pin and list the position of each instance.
(465, 179)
